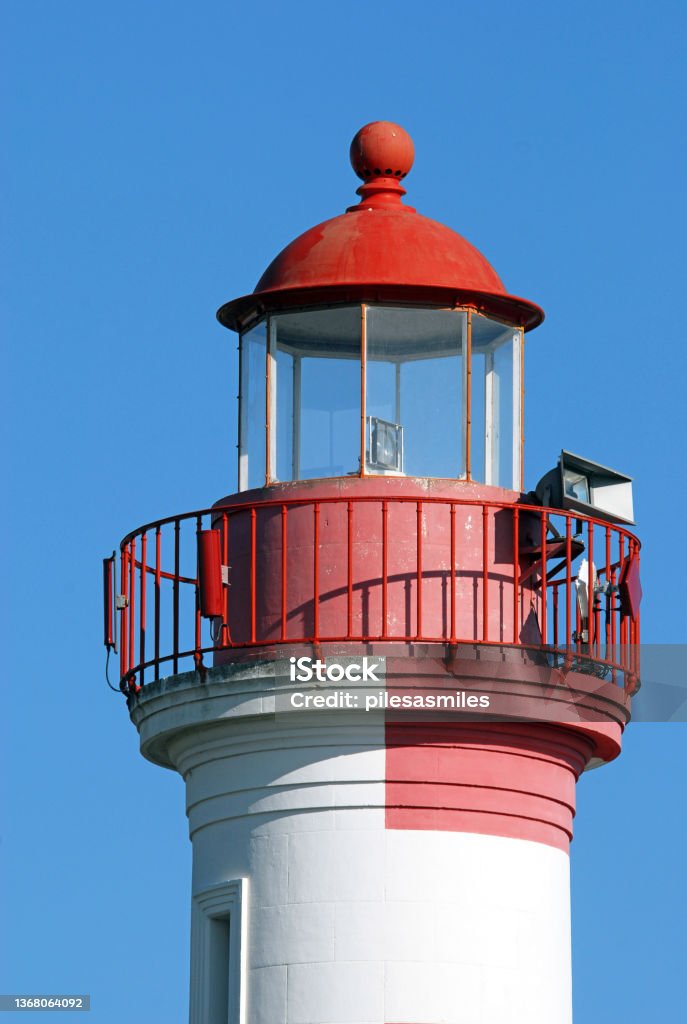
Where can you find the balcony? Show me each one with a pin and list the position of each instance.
(370, 569)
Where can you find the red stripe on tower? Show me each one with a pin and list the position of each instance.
(500, 779)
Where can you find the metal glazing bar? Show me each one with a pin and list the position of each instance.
(491, 421)
(522, 410)
(516, 426)
(268, 408)
(397, 389)
(468, 398)
(271, 400)
(296, 441)
(243, 418)
(363, 386)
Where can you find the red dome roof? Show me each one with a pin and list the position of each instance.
(380, 250)
(373, 246)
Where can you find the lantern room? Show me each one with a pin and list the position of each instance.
(380, 343)
(381, 389)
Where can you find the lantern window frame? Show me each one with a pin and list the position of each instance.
(483, 475)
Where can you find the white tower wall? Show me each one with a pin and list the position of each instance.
(308, 909)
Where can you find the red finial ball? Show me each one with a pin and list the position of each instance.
(382, 150)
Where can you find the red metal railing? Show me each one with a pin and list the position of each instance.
(518, 574)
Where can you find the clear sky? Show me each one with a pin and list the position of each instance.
(156, 156)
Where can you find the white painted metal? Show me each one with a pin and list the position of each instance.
(517, 410)
(491, 421)
(272, 397)
(296, 438)
(243, 416)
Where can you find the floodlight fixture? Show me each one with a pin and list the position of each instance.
(384, 445)
(580, 485)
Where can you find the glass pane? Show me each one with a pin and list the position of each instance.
(317, 392)
(415, 391)
(286, 370)
(495, 418)
(503, 413)
(252, 408)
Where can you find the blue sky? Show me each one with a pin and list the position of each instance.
(157, 156)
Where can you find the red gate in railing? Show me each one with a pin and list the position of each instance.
(366, 569)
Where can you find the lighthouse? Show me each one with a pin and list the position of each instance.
(382, 664)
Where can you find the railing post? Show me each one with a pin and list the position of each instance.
(418, 624)
(636, 659)
(197, 656)
(225, 634)
(623, 618)
(284, 533)
(175, 596)
(142, 607)
(516, 574)
(591, 595)
(385, 516)
(568, 581)
(253, 573)
(124, 631)
(158, 553)
(544, 519)
(609, 593)
(349, 584)
(132, 607)
(316, 572)
(453, 572)
(485, 573)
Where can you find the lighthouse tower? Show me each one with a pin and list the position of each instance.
(381, 666)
